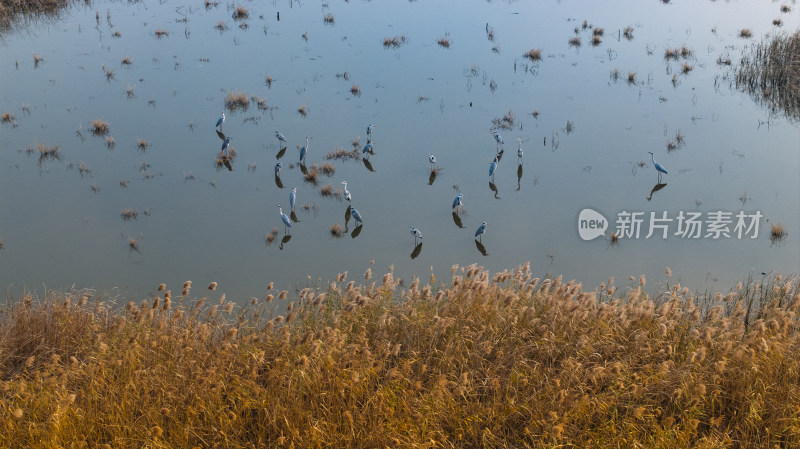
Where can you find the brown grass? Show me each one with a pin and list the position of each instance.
(328, 169)
(777, 22)
(504, 122)
(127, 60)
(745, 33)
(99, 127)
(394, 42)
(628, 33)
(337, 230)
(326, 190)
(479, 360)
(161, 33)
(631, 77)
(48, 153)
(598, 32)
(328, 19)
(236, 101)
(241, 13)
(7, 117)
(129, 214)
(534, 54)
(596, 40)
(443, 42)
(575, 41)
(770, 72)
(686, 68)
(785, 8)
(341, 154)
(312, 174)
(355, 90)
(142, 144)
(777, 232)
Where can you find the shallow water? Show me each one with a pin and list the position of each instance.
(61, 227)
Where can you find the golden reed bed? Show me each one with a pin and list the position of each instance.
(481, 360)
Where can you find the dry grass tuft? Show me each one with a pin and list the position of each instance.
(686, 68)
(631, 77)
(7, 117)
(328, 19)
(341, 154)
(504, 122)
(99, 127)
(443, 42)
(481, 359)
(337, 230)
(48, 153)
(312, 175)
(326, 190)
(785, 8)
(302, 110)
(241, 13)
(236, 101)
(129, 214)
(328, 169)
(355, 90)
(534, 54)
(394, 42)
(628, 33)
(142, 144)
(770, 72)
(596, 40)
(575, 41)
(777, 22)
(161, 33)
(745, 33)
(598, 32)
(127, 60)
(777, 232)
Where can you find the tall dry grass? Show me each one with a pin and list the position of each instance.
(770, 72)
(483, 360)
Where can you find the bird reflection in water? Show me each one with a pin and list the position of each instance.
(481, 248)
(284, 241)
(417, 250)
(457, 220)
(656, 188)
(493, 188)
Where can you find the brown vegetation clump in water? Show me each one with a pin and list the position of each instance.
(236, 100)
(99, 127)
(745, 33)
(534, 54)
(504, 122)
(340, 153)
(770, 72)
(241, 13)
(777, 232)
(496, 359)
(337, 230)
(575, 41)
(394, 42)
(444, 42)
(7, 117)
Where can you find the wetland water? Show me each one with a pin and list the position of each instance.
(587, 146)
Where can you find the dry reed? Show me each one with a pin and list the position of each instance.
(484, 359)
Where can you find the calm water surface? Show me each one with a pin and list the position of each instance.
(61, 226)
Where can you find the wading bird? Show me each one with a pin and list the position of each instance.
(292, 197)
(659, 168)
(497, 138)
(226, 143)
(416, 233)
(367, 148)
(492, 168)
(354, 213)
(458, 202)
(304, 150)
(346, 192)
(432, 160)
(220, 120)
(481, 230)
(370, 127)
(278, 167)
(519, 150)
(281, 139)
(286, 222)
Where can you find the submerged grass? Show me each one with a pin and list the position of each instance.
(484, 360)
(770, 72)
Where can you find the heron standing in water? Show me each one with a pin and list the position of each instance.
(292, 197)
(220, 121)
(278, 167)
(659, 168)
(356, 215)
(346, 192)
(281, 139)
(226, 143)
(304, 150)
(286, 222)
(481, 230)
(458, 202)
(416, 233)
